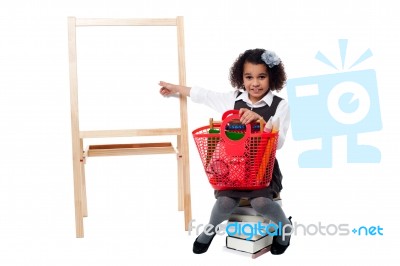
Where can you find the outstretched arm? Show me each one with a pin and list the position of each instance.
(168, 89)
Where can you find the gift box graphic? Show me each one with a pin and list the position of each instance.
(344, 103)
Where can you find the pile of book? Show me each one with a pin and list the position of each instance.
(247, 233)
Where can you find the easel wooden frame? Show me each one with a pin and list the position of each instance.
(79, 154)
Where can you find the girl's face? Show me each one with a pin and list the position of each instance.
(255, 81)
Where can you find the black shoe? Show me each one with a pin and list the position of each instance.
(199, 248)
(276, 248)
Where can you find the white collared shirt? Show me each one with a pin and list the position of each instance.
(223, 101)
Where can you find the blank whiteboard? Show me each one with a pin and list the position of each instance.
(118, 73)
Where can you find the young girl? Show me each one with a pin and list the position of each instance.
(255, 74)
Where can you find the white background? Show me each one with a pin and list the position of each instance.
(133, 200)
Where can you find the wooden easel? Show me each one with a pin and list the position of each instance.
(78, 136)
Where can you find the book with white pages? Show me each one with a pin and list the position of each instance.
(255, 244)
(246, 254)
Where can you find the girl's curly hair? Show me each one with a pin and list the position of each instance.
(277, 74)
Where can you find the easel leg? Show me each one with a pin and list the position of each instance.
(84, 198)
(78, 198)
(77, 151)
(184, 175)
(186, 191)
(180, 176)
(184, 198)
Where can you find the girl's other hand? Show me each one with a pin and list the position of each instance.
(248, 116)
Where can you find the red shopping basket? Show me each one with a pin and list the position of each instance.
(236, 156)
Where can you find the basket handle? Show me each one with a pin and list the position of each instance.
(229, 112)
(234, 147)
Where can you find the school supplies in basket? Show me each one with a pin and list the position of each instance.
(234, 155)
(273, 127)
